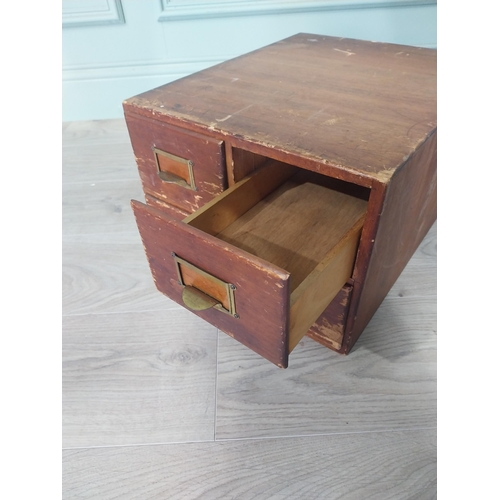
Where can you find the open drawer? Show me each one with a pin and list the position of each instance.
(263, 260)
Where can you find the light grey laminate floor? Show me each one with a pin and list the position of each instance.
(159, 404)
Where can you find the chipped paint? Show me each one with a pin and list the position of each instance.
(317, 113)
(332, 121)
(212, 188)
(223, 119)
(234, 114)
(384, 175)
(346, 52)
(326, 329)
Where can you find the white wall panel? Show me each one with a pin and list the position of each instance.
(91, 12)
(177, 10)
(162, 40)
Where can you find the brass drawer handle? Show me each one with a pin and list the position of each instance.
(174, 169)
(197, 300)
(202, 290)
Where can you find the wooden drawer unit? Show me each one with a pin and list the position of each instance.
(178, 167)
(329, 149)
(263, 260)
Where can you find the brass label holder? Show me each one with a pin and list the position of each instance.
(172, 177)
(196, 299)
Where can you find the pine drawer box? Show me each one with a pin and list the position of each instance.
(287, 189)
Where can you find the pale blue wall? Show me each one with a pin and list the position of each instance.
(114, 49)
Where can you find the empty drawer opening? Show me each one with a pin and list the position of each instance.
(302, 222)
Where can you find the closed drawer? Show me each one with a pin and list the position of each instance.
(263, 260)
(181, 168)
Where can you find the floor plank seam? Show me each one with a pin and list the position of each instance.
(69, 238)
(99, 313)
(133, 445)
(216, 379)
(261, 438)
(288, 436)
(99, 181)
(94, 142)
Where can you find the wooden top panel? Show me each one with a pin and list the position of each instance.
(358, 106)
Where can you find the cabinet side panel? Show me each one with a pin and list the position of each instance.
(410, 209)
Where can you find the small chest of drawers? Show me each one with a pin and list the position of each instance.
(287, 189)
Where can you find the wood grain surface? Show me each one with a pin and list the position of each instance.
(242, 163)
(378, 466)
(136, 378)
(388, 381)
(216, 215)
(99, 211)
(305, 100)
(295, 226)
(105, 145)
(138, 369)
(104, 269)
(101, 277)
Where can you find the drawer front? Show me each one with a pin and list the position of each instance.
(179, 167)
(252, 295)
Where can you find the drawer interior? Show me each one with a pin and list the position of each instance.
(292, 226)
(300, 221)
